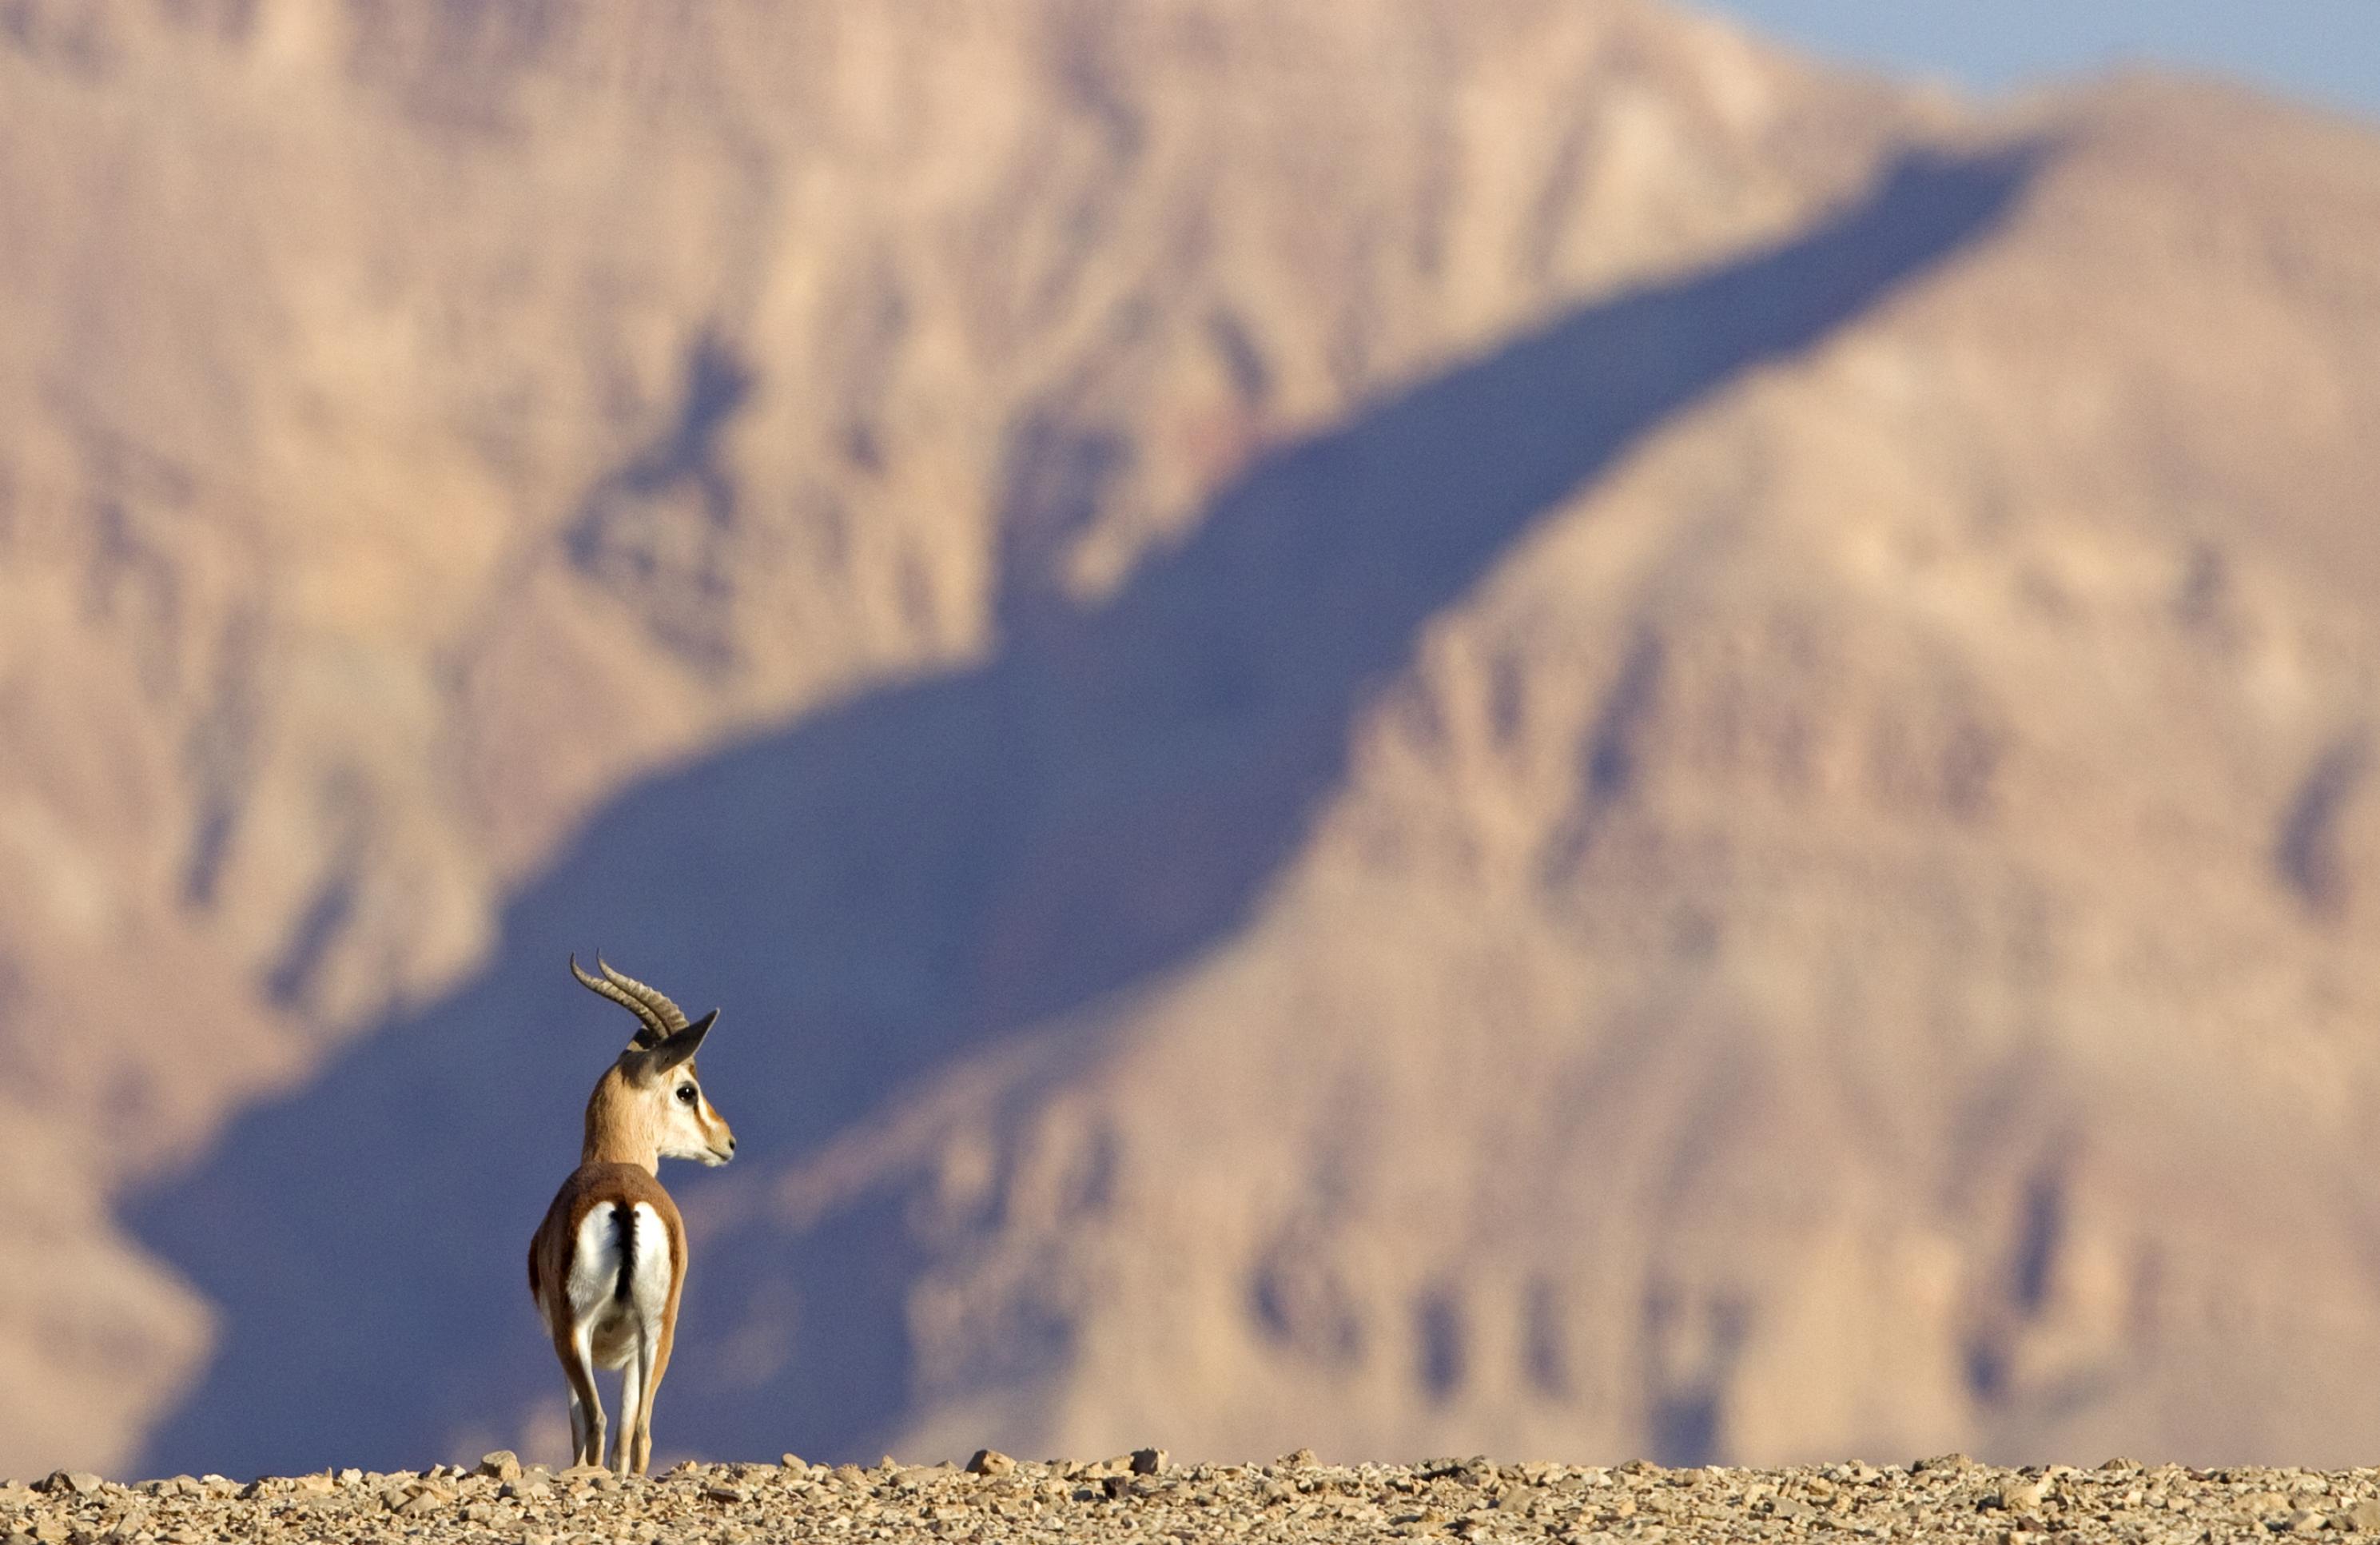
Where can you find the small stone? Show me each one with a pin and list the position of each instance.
(1518, 1500)
(1150, 1462)
(794, 1462)
(2021, 1496)
(2306, 1521)
(1298, 1459)
(80, 1483)
(2363, 1517)
(503, 1464)
(583, 1473)
(1951, 1462)
(990, 1462)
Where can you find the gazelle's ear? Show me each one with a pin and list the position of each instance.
(682, 1045)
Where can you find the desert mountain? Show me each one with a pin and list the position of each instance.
(1393, 726)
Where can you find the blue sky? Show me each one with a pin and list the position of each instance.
(2322, 51)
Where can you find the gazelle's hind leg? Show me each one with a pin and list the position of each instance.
(632, 1405)
(586, 1406)
(647, 1371)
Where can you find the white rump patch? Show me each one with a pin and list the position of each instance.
(615, 1324)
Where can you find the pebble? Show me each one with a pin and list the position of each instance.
(2023, 1496)
(1517, 1501)
(81, 1483)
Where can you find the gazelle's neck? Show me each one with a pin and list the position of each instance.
(620, 1127)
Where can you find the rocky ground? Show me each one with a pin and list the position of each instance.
(1296, 1498)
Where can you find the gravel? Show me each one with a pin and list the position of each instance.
(1142, 1495)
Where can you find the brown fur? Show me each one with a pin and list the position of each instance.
(621, 1123)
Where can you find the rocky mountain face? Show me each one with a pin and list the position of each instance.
(1400, 726)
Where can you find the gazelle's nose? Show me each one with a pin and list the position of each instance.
(731, 1145)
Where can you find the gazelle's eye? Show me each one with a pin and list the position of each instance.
(686, 1094)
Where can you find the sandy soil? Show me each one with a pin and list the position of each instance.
(995, 1498)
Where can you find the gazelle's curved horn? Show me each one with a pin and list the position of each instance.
(672, 1016)
(651, 1029)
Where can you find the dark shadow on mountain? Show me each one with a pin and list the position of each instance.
(659, 530)
(889, 886)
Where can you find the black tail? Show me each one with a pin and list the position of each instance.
(625, 1218)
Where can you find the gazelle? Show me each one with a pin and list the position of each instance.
(608, 1263)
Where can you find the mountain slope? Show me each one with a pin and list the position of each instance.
(1250, 915)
